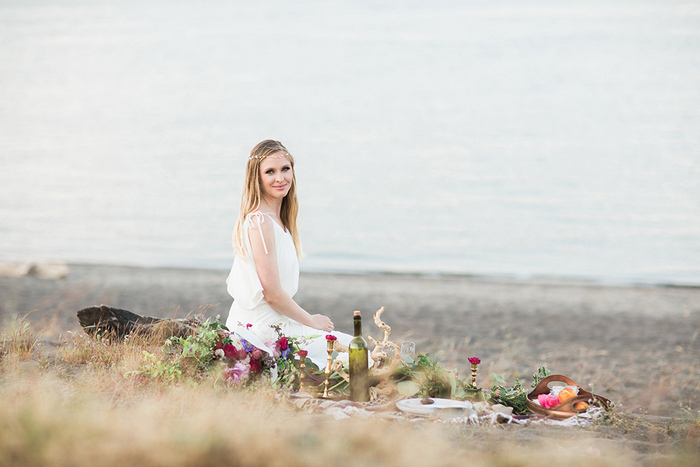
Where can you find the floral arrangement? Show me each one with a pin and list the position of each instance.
(215, 348)
(244, 361)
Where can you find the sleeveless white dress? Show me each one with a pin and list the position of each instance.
(249, 305)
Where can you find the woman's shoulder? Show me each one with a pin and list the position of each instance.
(258, 218)
(255, 218)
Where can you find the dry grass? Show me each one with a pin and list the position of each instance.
(77, 403)
(20, 339)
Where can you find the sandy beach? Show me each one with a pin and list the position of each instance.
(637, 345)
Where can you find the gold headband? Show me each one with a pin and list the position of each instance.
(257, 156)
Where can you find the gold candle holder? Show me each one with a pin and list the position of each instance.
(302, 368)
(475, 363)
(329, 348)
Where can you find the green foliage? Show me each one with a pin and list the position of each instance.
(541, 373)
(434, 380)
(194, 352)
(515, 396)
(163, 371)
(183, 357)
(510, 396)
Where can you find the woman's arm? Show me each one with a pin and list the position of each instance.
(268, 273)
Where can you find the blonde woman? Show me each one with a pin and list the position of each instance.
(265, 272)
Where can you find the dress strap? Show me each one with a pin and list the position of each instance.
(261, 218)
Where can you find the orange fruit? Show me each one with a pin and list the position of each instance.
(566, 394)
(580, 406)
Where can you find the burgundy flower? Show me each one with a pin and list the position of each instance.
(283, 343)
(220, 342)
(474, 360)
(230, 351)
(255, 366)
(331, 337)
(303, 353)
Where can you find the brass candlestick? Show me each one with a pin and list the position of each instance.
(327, 371)
(475, 362)
(302, 367)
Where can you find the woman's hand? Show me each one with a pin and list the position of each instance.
(322, 323)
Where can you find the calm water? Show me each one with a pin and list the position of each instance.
(521, 138)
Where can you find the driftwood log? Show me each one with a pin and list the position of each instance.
(107, 320)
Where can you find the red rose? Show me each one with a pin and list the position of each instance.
(255, 366)
(303, 353)
(283, 343)
(331, 337)
(230, 351)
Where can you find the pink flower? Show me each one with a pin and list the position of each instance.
(230, 351)
(303, 353)
(474, 360)
(256, 354)
(248, 326)
(548, 400)
(283, 343)
(242, 354)
(275, 350)
(331, 337)
(238, 373)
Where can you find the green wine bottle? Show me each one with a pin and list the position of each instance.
(359, 363)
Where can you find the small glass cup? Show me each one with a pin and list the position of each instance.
(408, 351)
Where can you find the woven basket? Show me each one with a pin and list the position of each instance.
(565, 409)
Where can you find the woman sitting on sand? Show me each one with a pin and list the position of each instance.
(265, 272)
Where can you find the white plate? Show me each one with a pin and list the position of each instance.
(414, 406)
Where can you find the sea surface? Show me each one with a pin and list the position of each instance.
(516, 138)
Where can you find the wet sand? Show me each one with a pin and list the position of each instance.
(637, 345)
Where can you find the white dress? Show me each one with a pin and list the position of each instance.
(249, 305)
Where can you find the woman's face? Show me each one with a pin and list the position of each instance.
(276, 175)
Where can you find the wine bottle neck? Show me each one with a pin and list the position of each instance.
(358, 326)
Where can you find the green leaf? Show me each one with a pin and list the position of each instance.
(499, 379)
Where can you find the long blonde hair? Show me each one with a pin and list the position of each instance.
(252, 196)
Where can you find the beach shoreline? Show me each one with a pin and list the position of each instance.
(637, 345)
